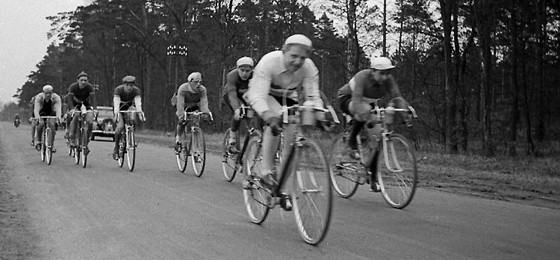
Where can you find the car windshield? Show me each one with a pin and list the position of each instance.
(105, 112)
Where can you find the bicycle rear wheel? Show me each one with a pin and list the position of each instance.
(48, 150)
(77, 154)
(182, 158)
(256, 198)
(399, 178)
(229, 160)
(344, 171)
(312, 196)
(130, 150)
(198, 151)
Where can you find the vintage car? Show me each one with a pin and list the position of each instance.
(105, 123)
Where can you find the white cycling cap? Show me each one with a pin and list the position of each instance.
(245, 61)
(381, 63)
(193, 76)
(299, 39)
(47, 88)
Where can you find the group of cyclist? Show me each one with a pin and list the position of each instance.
(283, 76)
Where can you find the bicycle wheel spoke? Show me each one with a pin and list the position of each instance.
(255, 198)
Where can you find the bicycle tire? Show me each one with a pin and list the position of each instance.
(256, 199)
(344, 171)
(312, 192)
(43, 148)
(399, 178)
(229, 160)
(84, 146)
(198, 151)
(130, 150)
(48, 151)
(77, 155)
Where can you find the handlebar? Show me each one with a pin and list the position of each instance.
(287, 110)
(132, 112)
(197, 113)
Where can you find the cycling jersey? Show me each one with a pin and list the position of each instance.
(124, 99)
(47, 107)
(190, 97)
(271, 77)
(365, 87)
(77, 95)
(234, 89)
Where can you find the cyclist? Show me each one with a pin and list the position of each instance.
(32, 120)
(191, 96)
(16, 120)
(357, 97)
(237, 83)
(47, 103)
(125, 97)
(278, 74)
(80, 92)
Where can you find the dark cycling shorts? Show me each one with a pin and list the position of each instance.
(192, 109)
(125, 106)
(289, 101)
(344, 102)
(47, 111)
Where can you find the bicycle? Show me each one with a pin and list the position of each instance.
(81, 150)
(232, 162)
(397, 180)
(304, 160)
(195, 146)
(127, 143)
(46, 148)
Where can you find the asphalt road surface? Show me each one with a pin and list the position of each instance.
(156, 212)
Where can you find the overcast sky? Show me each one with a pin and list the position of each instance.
(23, 38)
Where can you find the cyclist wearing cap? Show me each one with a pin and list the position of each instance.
(237, 83)
(80, 92)
(47, 103)
(358, 97)
(282, 73)
(125, 97)
(191, 96)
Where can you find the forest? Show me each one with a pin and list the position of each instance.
(482, 74)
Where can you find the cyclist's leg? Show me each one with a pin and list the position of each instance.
(40, 126)
(33, 130)
(357, 126)
(270, 142)
(89, 123)
(73, 128)
(118, 134)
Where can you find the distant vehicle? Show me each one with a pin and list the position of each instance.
(105, 124)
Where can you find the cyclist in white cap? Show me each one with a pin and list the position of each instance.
(368, 86)
(237, 83)
(125, 97)
(191, 96)
(47, 103)
(288, 73)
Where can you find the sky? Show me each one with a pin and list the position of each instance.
(23, 39)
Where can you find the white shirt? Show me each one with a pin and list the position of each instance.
(271, 77)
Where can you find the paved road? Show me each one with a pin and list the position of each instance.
(155, 212)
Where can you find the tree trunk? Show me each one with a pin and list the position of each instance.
(514, 82)
(450, 107)
(484, 21)
(384, 29)
(540, 28)
(352, 42)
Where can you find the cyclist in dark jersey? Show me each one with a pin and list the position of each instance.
(47, 103)
(80, 92)
(237, 83)
(125, 97)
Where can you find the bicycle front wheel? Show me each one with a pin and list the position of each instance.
(345, 171)
(48, 150)
(43, 150)
(399, 177)
(77, 154)
(229, 160)
(130, 150)
(312, 196)
(198, 151)
(256, 198)
(85, 150)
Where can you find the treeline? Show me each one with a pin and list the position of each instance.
(482, 74)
